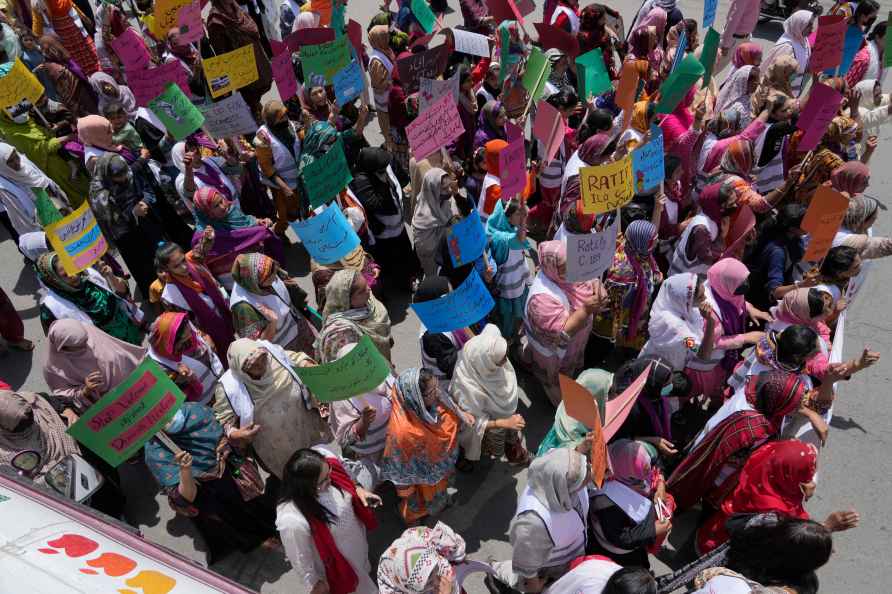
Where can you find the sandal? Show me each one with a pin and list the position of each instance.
(465, 465)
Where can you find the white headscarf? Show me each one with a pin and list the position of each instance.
(479, 384)
(674, 318)
(555, 478)
(28, 175)
(736, 92)
(865, 87)
(793, 35)
(432, 214)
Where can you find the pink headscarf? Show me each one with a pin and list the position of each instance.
(95, 130)
(853, 177)
(724, 277)
(630, 465)
(552, 256)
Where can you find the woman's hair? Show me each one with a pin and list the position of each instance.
(631, 580)
(163, 254)
(865, 7)
(299, 484)
(795, 343)
(511, 207)
(691, 26)
(598, 120)
(838, 260)
(815, 302)
(777, 101)
(879, 30)
(563, 99)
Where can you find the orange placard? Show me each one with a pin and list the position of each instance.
(618, 409)
(581, 405)
(822, 220)
(625, 91)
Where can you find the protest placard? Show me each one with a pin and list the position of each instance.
(536, 73)
(626, 91)
(829, 39)
(887, 52)
(548, 128)
(592, 74)
(468, 304)
(424, 15)
(590, 254)
(77, 239)
(327, 236)
(176, 112)
(434, 128)
(618, 408)
(823, 103)
(313, 36)
(508, 10)
(228, 117)
(581, 405)
(354, 33)
(231, 71)
(822, 220)
(473, 44)
(283, 73)
(677, 84)
(606, 187)
(430, 90)
(850, 47)
(358, 372)
(466, 239)
(131, 50)
(709, 9)
(512, 163)
(680, 50)
(123, 420)
(189, 21)
(708, 55)
(325, 59)
(167, 16)
(648, 162)
(554, 37)
(148, 84)
(19, 85)
(325, 177)
(349, 83)
(427, 64)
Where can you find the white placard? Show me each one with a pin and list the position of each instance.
(589, 255)
(430, 90)
(229, 117)
(471, 43)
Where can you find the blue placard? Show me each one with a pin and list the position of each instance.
(851, 45)
(348, 83)
(709, 10)
(648, 162)
(679, 50)
(466, 305)
(466, 239)
(328, 236)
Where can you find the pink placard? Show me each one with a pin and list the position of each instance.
(512, 163)
(829, 41)
(283, 73)
(549, 129)
(131, 49)
(148, 84)
(823, 103)
(189, 20)
(435, 127)
(354, 32)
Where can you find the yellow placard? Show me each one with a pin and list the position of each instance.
(167, 16)
(231, 71)
(19, 84)
(606, 187)
(77, 239)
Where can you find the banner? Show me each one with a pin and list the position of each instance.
(190, 23)
(349, 83)
(19, 85)
(228, 117)
(708, 55)
(548, 128)
(123, 420)
(327, 236)
(325, 59)
(77, 239)
(590, 254)
(431, 90)
(283, 74)
(554, 37)
(434, 128)
(592, 77)
(469, 43)
(148, 84)
(823, 103)
(424, 15)
(649, 162)
(358, 372)
(822, 220)
(131, 50)
(466, 239)
(325, 177)
(176, 112)
(427, 64)
(513, 163)
(167, 16)
(231, 71)
(829, 39)
(536, 73)
(606, 187)
(677, 84)
(468, 304)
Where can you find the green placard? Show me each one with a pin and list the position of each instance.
(426, 17)
(679, 83)
(176, 112)
(535, 76)
(325, 59)
(129, 415)
(708, 55)
(592, 75)
(887, 53)
(359, 371)
(327, 175)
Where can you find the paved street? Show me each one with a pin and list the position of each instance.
(854, 467)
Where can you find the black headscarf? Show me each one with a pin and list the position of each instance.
(371, 183)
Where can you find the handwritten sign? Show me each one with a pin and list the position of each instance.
(708, 55)
(606, 187)
(325, 59)
(434, 128)
(468, 304)
(131, 50)
(827, 49)
(648, 162)
(555, 37)
(466, 239)
(231, 71)
(189, 20)
(473, 44)
(325, 177)
(328, 236)
(822, 220)
(283, 74)
(536, 73)
(680, 50)
(590, 254)
(176, 112)
(593, 78)
(19, 85)
(77, 239)
(228, 117)
(167, 16)
(431, 90)
(710, 7)
(349, 83)
(512, 163)
(823, 103)
(123, 420)
(358, 372)
(424, 15)
(548, 128)
(428, 64)
(677, 84)
(148, 84)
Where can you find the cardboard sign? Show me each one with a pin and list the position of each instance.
(606, 187)
(325, 177)
(680, 50)
(358, 372)
(327, 236)
(822, 220)
(434, 128)
(580, 404)
(649, 162)
(512, 163)
(554, 37)
(148, 84)
(131, 50)
(77, 239)
(473, 44)
(710, 7)
(189, 20)
(167, 16)
(297, 39)
(231, 71)
(508, 10)
(349, 83)
(431, 90)
(626, 91)
(592, 74)
(708, 55)
(354, 33)
(283, 74)
(228, 117)
(123, 420)
(325, 59)
(176, 112)
(536, 73)
(424, 15)
(468, 304)
(466, 239)
(19, 85)
(428, 64)
(590, 254)
(887, 53)
(617, 409)
(823, 103)
(850, 47)
(827, 49)
(548, 128)
(677, 84)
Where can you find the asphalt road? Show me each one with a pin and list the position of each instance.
(854, 468)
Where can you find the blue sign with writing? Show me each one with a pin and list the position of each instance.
(466, 239)
(648, 162)
(466, 305)
(348, 83)
(328, 236)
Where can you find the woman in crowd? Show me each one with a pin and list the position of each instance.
(649, 418)
(507, 235)
(382, 61)
(567, 432)
(793, 44)
(351, 312)
(433, 210)
(25, 193)
(491, 123)
(358, 260)
(855, 230)
(198, 170)
(186, 354)
(70, 82)
(869, 61)
(421, 561)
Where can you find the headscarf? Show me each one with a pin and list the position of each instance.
(379, 39)
(676, 325)
(552, 256)
(591, 33)
(233, 18)
(251, 270)
(710, 202)
(630, 464)
(735, 91)
(317, 140)
(640, 241)
(556, 477)
(853, 178)
(491, 157)
(593, 148)
(371, 319)
(657, 18)
(747, 54)
(95, 130)
(409, 562)
(794, 309)
(409, 385)
(479, 384)
(28, 176)
(306, 20)
(208, 173)
(432, 213)
(122, 94)
(486, 124)
(46, 435)
(861, 208)
(567, 431)
(865, 87)
(195, 430)
(319, 112)
(659, 375)
(722, 279)
(203, 200)
(275, 382)
(738, 159)
(839, 126)
(794, 28)
(183, 50)
(639, 117)
(640, 41)
(371, 167)
(163, 336)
